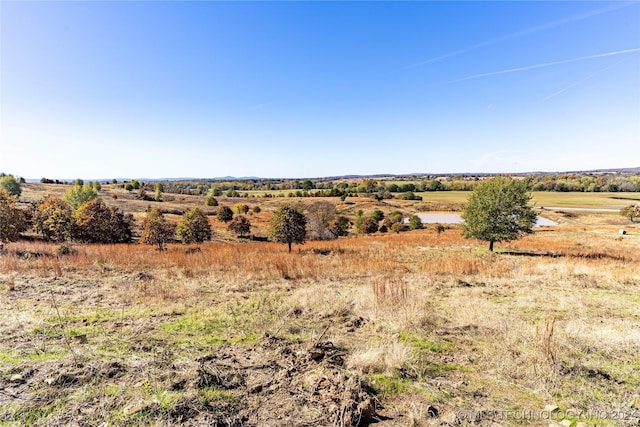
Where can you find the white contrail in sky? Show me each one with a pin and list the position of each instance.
(590, 76)
(526, 31)
(546, 64)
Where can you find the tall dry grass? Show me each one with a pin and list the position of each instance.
(361, 257)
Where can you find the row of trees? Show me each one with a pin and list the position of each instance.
(498, 210)
(400, 188)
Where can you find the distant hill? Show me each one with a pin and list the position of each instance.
(617, 171)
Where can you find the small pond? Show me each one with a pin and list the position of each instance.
(452, 218)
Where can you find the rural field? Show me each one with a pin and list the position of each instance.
(417, 328)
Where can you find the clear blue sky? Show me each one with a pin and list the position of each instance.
(306, 89)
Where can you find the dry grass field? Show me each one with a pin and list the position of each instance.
(410, 329)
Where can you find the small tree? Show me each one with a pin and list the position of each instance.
(339, 226)
(415, 223)
(320, 216)
(80, 194)
(368, 225)
(632, 212)
(10, 184)
(359, 220)
(378, 215)
(194, 227)
(156, 229)
(211, 201)
(53, 219)
(10, 217)
(241, 208)
(498, 211)
(225, 214)
(288, 225)
(159, 189)
(121, 226)
(240, 225)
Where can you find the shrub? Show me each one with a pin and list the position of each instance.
(256, 209)
(397, 227)
(53, 218)
(194, 227)
(10, 184)
(211, 201)
(368, 226)
(378, 215)
(94, 222)
(224, 214)
(339, 226)
(10, 217)
(409, 195)
(415, 223)
(241, 208)
(240, 225)
(395, 216)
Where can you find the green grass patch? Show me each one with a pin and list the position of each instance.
(209, 395)
(419, 343)
(387, 386)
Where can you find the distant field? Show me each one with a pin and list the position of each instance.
(545, 198)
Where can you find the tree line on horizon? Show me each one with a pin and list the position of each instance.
(380, 188)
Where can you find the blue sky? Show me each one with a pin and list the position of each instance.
(307, 89)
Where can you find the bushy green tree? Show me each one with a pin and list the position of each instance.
(80, 194)
(224, 214)
(53, 218)
(240, 225)
(10, 217)
(194, 227)
(10, 184)
(498, 211)
(415, 223)
(288, 225)
(156, 229)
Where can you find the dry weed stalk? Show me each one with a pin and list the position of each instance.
(546, 341)
(389, 289)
